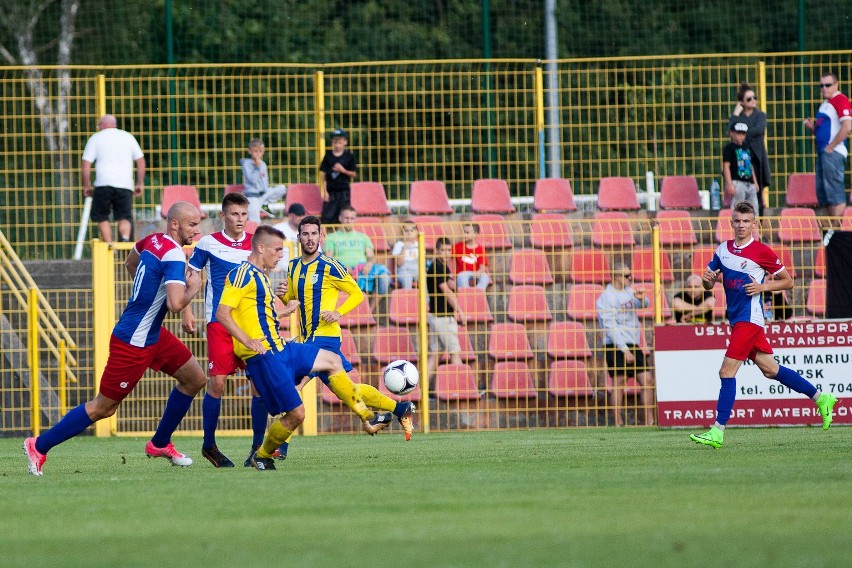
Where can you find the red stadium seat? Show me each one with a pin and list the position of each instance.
(474, 305)
(491, 196)
(509, 342)
(569, 378)
(819, 263)
(529, 266)
(612, 228)
(642, 265)
(648, 313)
(567, 340)
(680, 192)
(492, 231)
(362, 315)
(512, 380)
(553, 194)
(455, 382)
(550, 230)
(846, 222)
(432, 227)
(306, 194)
(404, 307)
(235, 188)
(528, 304)
(721, 302)
(786, 255)
(798, 225)
(617, 193)
(676, 228)
(581, 302)
(392, 343)
(374, 227)
(429, 197)
(589, 266)
(348, 347)
(701, 257)
(174, 193)
(801, 190)
(251, 227)
(368, 198)
(816, 297)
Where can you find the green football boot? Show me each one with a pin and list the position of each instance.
(713, 437)
(826, 403)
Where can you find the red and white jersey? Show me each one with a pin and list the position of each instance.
(740, 266)
(219, 254)
(828, 118)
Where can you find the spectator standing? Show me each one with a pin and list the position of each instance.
(444, 311)
(617, 315)
(115, 152)
(693, 304)
(406, 253)
(256, 181)
(354, 250)
(737, 168)
(831, 128)
(746, 111)
(471, 260)
(338, 171)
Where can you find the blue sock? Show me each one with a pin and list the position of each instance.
(259, 418)
(283, 448)
(73, 423)
(790, 378)
(725, 404)
(176, 408)
(400, 409)
(210, 409)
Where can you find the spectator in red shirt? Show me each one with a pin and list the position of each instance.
(471, 261)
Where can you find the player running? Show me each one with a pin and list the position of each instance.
(161, 283)
(743, 264)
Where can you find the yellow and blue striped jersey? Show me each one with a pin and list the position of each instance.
(248, 292)
(317, 286)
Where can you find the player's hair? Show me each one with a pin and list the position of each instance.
(310, 220)
(234, 198)
(742, 90)
(264, 232)
(443, 241)
(744, 207)
(255, 142)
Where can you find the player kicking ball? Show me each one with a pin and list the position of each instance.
(743, 264)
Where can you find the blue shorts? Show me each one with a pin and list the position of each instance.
(830, 171)
(274, 375)
(329, 344)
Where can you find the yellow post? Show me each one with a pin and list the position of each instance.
(63, 371)
(32, 340)
(423, 331)
(761, 88)
(658, 287)
(101, 95)
(539, 120)
(103, 315)
(319, 119)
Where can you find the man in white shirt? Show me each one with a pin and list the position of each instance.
(115, 151)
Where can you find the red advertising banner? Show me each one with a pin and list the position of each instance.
(688, 357)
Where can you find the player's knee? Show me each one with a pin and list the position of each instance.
(216, 386)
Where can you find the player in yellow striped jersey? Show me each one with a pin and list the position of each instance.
(247, 310)
(314, 283)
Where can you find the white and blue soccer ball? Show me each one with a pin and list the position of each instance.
(401, 377)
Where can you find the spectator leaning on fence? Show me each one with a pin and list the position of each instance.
(831, 128)
(113, 151)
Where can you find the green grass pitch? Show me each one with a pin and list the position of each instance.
(588, 497)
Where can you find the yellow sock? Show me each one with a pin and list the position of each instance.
(275, 436)
(344, 389)
(373, 398)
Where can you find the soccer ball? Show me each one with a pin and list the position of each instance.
(401, 377)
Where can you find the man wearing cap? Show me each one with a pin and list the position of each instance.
(737, 169)
(831, 128)
(295, 213)
(338, 171)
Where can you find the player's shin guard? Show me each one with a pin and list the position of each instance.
(373, 398)
(343, 388)
(275, 436)
(725, 404)
(790, 378)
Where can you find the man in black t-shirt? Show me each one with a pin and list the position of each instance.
(444, 311)
(338, 170)
(694, 304)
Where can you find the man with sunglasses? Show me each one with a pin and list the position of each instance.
(619, 320)
(831, 128)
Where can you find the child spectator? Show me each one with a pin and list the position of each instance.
(737, 170)
(338, 171)
(407, 256)
(256, 181)
(471, 261)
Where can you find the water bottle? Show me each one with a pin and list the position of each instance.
(715, 196)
